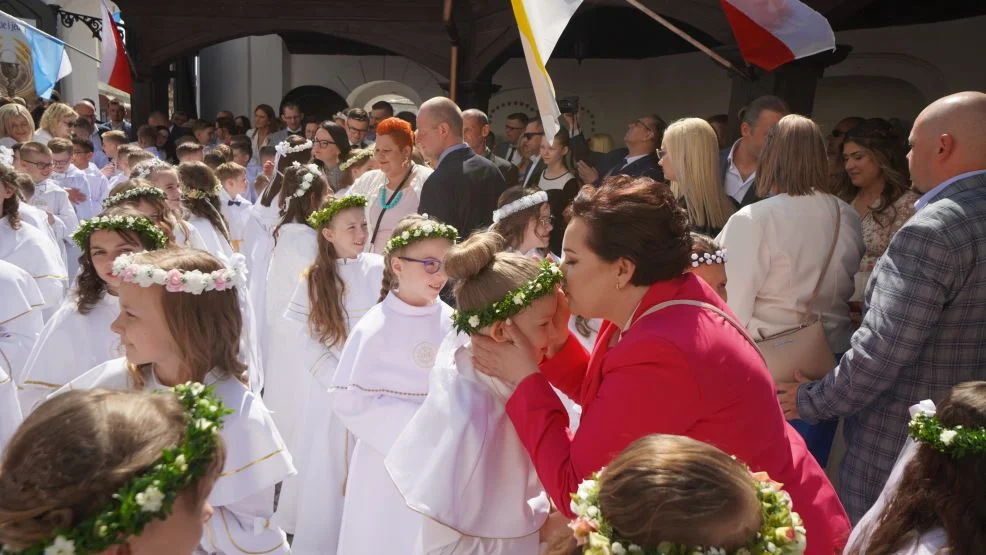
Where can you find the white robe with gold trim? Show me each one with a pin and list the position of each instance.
(31, 251)
(256, 460)
(381, 382)
(20, 318)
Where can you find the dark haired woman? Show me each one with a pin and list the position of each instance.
(264, 126)
(331, 148)
(670, 358)
(877, 184)
(935, 499)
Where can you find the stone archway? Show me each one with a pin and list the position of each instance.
(316, 102)
(374, 90)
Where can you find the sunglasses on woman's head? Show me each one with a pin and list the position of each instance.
(432, 265)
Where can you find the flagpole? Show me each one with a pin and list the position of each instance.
(688, 38)
(65, 44)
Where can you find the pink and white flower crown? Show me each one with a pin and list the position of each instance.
(181, 281)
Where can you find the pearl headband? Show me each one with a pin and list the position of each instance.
(708, 258)
(523, 203)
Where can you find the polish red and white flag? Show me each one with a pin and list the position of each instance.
(771, 33)
(114, 67)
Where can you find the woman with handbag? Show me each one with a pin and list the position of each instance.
(670, 358)
(792, 261)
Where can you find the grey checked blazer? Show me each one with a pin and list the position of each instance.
(924, 332)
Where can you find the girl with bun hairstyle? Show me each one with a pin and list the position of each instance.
(73, 455)
(382, 379)
(461, 442)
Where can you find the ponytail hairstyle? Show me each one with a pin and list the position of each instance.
(298, 208)
(75, 451)
(483, 272)
(11, 206)
(326, 291)
(90, 288)
(513, 227)
(283, 163)
(157, 208)
(207, 326)
(667, 488)
(390, 281)
(201, 189)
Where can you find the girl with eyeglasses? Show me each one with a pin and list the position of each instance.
(523, 218)
(382, 380)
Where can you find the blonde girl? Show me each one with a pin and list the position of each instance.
(180, 321)
(83, 321)
(200, 200)
(382, 379)
(690, 160)
(338, 289)
(461, 441)
(95, 472)
(56, 122)
(16, 125)
(164, 176)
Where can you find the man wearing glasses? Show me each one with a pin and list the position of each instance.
(509, 149)
(357, 128)
(638, 159)
(530, 146)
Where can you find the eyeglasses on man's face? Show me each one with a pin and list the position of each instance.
(40, 165)
(431, 265)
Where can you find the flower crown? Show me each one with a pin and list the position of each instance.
(523, 203)
(150, 495)
(781, 531)
(311, 172)
(112, 201)
(426, 230)
(355, 157)
(181, 281)
(137, 224)
(718, 257)
(543, 284)
(145, 169)
(957, 441)
(284, 148)
(325, 215)
(196, 194)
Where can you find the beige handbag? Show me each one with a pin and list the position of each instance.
(805, 347)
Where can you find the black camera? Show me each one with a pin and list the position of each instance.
(568, 105)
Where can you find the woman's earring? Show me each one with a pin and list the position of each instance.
(619, 286)
(407, 162)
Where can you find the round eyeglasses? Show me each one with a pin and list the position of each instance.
(431, 265)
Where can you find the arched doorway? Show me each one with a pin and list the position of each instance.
(316, 102)
(368, 93)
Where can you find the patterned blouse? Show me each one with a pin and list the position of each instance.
(877, 237)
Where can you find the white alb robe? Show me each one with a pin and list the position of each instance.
(39, 219)
(297, 395)
(20, 318)
(10, 410)
(381, 382)
(50, 197)
(293, 254)
(460, 463)
(71, 344)
(73, 178)
(258, 246)
(215, 243)
(99, 186)
(256, 460)
(29, 249)
(236, 216)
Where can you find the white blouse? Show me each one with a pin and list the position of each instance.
(776, 251)
(370, 184)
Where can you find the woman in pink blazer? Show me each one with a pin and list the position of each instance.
(681, 369)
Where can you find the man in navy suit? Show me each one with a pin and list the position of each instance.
(115, 111)
(638, 159)
(738, 163)
(464, 188)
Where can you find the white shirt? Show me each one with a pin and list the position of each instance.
(734, 184)
(776, 251)
(73, 178)
(236, 215)
(99, 186)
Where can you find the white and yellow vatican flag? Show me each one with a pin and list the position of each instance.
(541, 23)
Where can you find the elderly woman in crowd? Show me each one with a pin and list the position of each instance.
(877, 184)
(780, 268)
(16, 125)
(56, 122)
(685, 368)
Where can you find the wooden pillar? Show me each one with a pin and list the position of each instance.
(476, 94)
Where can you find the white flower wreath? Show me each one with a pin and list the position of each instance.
(284, 148)
(312, 172)
(523, 203)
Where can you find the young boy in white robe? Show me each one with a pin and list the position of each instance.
(82, 155)
(382, 380)
(232, 201)
(26, 247)
(200, 201)
(35, 160)
(20, 318)
(339, 288)
(303, 189)
(180, 321)
(461, 446)
(78, 337)
(70, 178)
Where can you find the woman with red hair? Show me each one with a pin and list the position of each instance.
(394, 189)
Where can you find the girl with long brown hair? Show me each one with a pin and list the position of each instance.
(83, 322)
(200, 200)
(340, 286)
(180, 321)
(151, 201)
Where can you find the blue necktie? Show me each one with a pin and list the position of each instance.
(233, 202)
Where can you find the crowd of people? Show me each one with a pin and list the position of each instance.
(390, 333)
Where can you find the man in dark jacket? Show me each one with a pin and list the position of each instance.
(638, 159)
(475, 131)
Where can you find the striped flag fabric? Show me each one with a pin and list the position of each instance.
(114, 67)
(541, 23)
(771, 33)
(49, 60)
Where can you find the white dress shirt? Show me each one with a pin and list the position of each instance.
(734, 184)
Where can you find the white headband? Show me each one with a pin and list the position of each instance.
(284, 148)
(523, 203)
